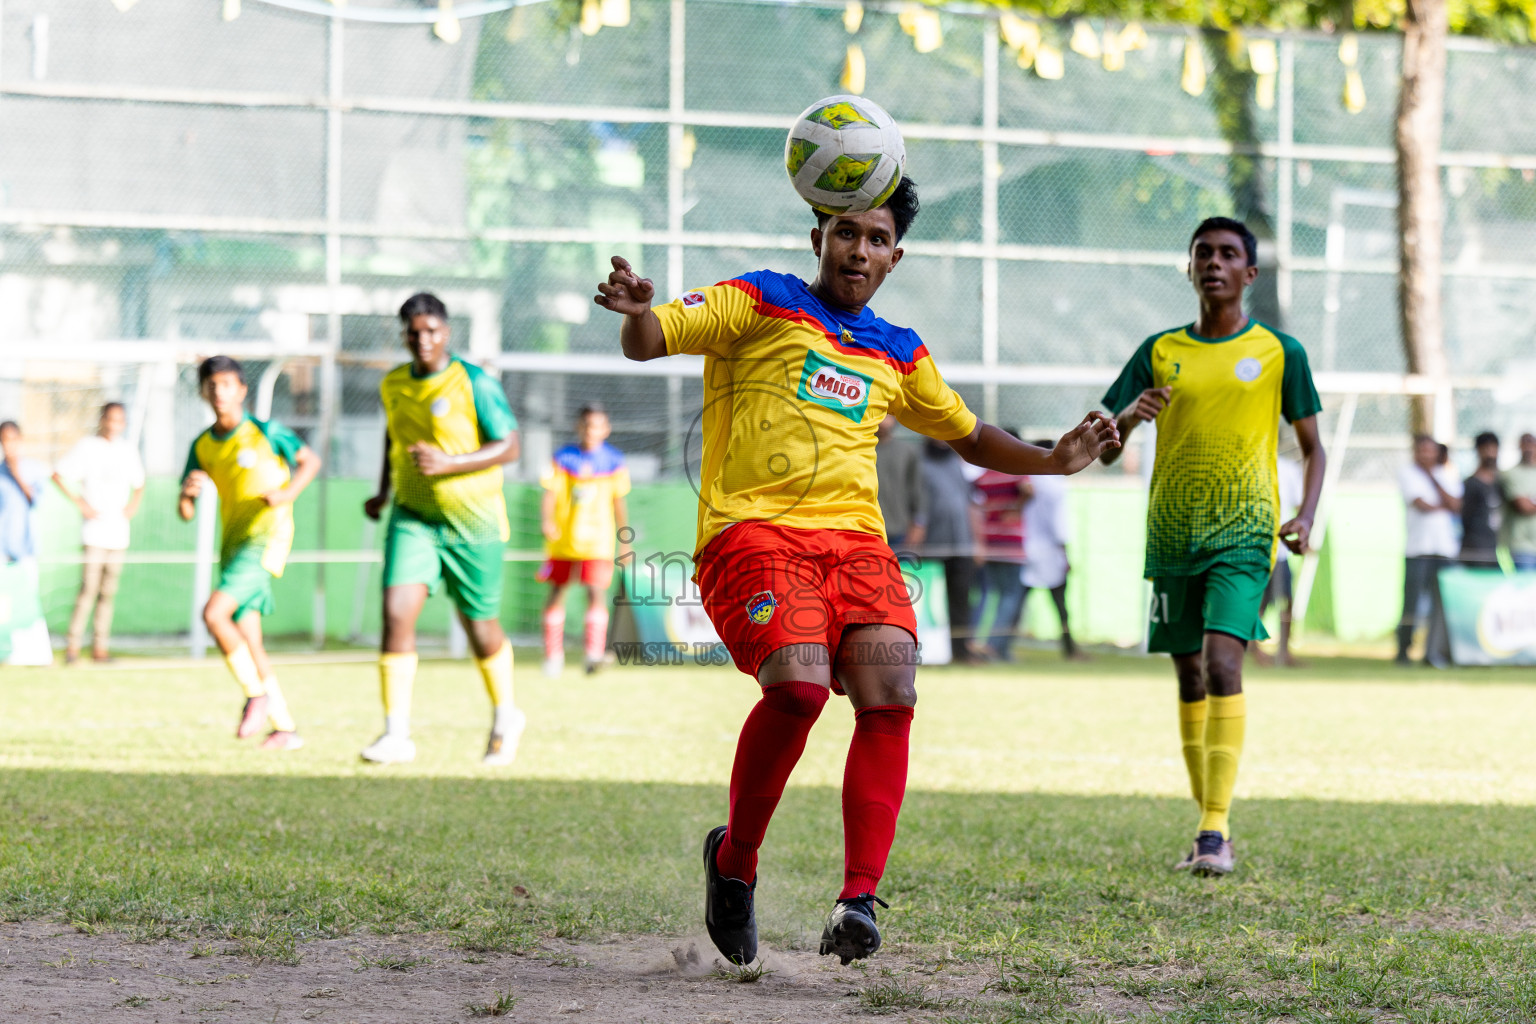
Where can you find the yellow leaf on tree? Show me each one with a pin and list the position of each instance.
(852, 79)
(1263, 57)
(1114, 53)
(1264, 92)
(591, 17)
(1133, 37)
(615, 13)
(853, 15)
(1354, 91)
(231, 9)
(447, 27)
(1349, 50)
(1085, 41)
(927, 33)
(1018, 33)
(1192, 80)
(1049, 62)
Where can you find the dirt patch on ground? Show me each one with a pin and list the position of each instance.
(52, 972)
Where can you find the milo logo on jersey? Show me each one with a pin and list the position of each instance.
(834, 387)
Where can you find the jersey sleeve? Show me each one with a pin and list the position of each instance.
(710, 320)
(192, 460)
(930, 406)
(620, 481)
(283, 440)
(1298, 395)
(549, 479)
(1135, 378)
(492, 410)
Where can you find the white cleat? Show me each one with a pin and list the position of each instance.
(390, 749)
(553, 666)
(501, 748)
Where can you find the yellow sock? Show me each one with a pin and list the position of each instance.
(1192, 742)
(1223, 746)
(497, 673)
(243, 667)
(397, 675)
(277, 707)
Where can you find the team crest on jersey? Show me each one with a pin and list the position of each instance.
(440, 407)
(834, 387)
(1248, 369)
(246, 458)
(760, 607)
(692, 299)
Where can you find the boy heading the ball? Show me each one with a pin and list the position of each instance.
(1217, 388)
(791, 555)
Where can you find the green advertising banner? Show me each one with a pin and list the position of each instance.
(1491, 617)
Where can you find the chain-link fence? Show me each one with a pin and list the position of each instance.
(178, 182)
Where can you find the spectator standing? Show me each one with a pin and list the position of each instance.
(1482, 503)
(952, 538)
(1432, 498)
(903, 495)
(110, 480)
(21, 486)
(1047, 530)
(1519, 487)
(1002, 497)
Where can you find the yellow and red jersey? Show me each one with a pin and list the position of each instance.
(793, 394)
(585, 485)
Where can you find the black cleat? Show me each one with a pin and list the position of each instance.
(850, 932)
(728, 913)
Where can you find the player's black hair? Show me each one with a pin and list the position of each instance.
(10, 423)
(1419, 439)
(423, 304)
(903, 205)
(1237, 227)
(218, 364)
(1486, 437)
(591, 409)
(109, 406)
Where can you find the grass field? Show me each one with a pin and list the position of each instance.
(1386, 826)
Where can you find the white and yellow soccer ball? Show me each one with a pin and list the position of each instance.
(845, 155)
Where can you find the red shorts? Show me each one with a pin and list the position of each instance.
(594, 572)
(766, 587)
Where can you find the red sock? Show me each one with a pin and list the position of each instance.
(874, 782)
(772, 740)
(554, 631)
(596, 632)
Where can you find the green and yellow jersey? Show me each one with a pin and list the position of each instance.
(245, 465)
(458, 409)
(1215, 493)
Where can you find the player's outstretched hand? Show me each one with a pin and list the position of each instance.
(430, 459)
(192, 486)
(625, 291)
(1297, 534)
(1148, 404)
(1084, 443)
(374, 506)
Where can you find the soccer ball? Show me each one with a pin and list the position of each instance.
(845, 155)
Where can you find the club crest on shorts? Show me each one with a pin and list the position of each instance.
(760, 607)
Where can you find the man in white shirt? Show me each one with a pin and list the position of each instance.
(1432, 496)
(110, 478)
(1047, 530)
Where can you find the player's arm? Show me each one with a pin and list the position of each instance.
(621, 521)
(306, 466)
(193, 479)
(433, 461)
(374, 506)
(1145, 408)
(991, 448)
(630, 295)
(78, 500)
(1448, 501)
(547, 517)
(1297, 532)
(134, 501)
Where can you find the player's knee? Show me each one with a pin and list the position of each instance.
(216, 615)
(1223, 677)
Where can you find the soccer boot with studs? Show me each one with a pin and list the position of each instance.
(851, 933)
(729, 914)
(1214, 855)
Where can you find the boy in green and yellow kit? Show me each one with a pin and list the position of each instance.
(448, 432)
(259, 468)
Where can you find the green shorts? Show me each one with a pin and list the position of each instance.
(244, 578)
(418, 552)
(1223, 599)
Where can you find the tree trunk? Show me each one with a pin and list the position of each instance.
(1420, 210)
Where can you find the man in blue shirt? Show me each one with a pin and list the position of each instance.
(21, 485)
